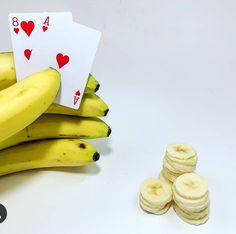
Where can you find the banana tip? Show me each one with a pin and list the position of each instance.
(109, 132)
(97, 88)
(105, 112)
(96, 156)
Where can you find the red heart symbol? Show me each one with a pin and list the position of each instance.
(62, 60)
(28, 53)
(76, 96)
(16, 30)
(77, 93)
(27, 27)
(45, 28)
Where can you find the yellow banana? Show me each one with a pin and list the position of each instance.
(7, 70)
(59, 126)
(91, 105)
(25, 101)
(47, 153)
(8, 74)
(92, 85)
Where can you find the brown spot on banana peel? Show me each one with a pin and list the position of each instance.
(82, 145)
(27, 132)
(21, 92)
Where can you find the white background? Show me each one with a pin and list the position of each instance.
(167, 70)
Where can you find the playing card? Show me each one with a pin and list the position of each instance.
(71, 50)
(26, 30)
(42, 40)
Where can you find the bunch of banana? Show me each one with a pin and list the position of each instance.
(190, 194)
(35, 132)
(155, 196)
(179, 158)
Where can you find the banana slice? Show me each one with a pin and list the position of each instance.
(199, 221)
(155, 211)
(191, 186)
(150, 205)
(156, 192)
(169, 166)
(189, 202)
(189, 215)
(178, 167)
(188, 162)
(192, 209)
(165, 180)
(180, 151)
(170, 175)
(195, 222)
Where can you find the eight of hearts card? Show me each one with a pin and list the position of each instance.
(42, 40)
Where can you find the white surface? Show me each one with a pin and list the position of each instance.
(167, 70)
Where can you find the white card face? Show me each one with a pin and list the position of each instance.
(42, 40)
(71, 50)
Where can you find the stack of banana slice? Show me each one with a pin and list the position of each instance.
(190, 194)
(179, 158)
(155, 196)
(35, 132)
(178, 182)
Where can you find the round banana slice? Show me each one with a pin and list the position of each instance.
(150, 205)
(155, 211)
(191, 186)
(169, 166)
(156, 192)
(188, 215)
(188, 162)
(177, 167)
(195, 222)
(171, 172)
(192, 209)
(189, 202)
(180, 151)
(164, 179)
(169, 175)
(192, 221)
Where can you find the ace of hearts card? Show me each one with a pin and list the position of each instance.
(42, 40)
